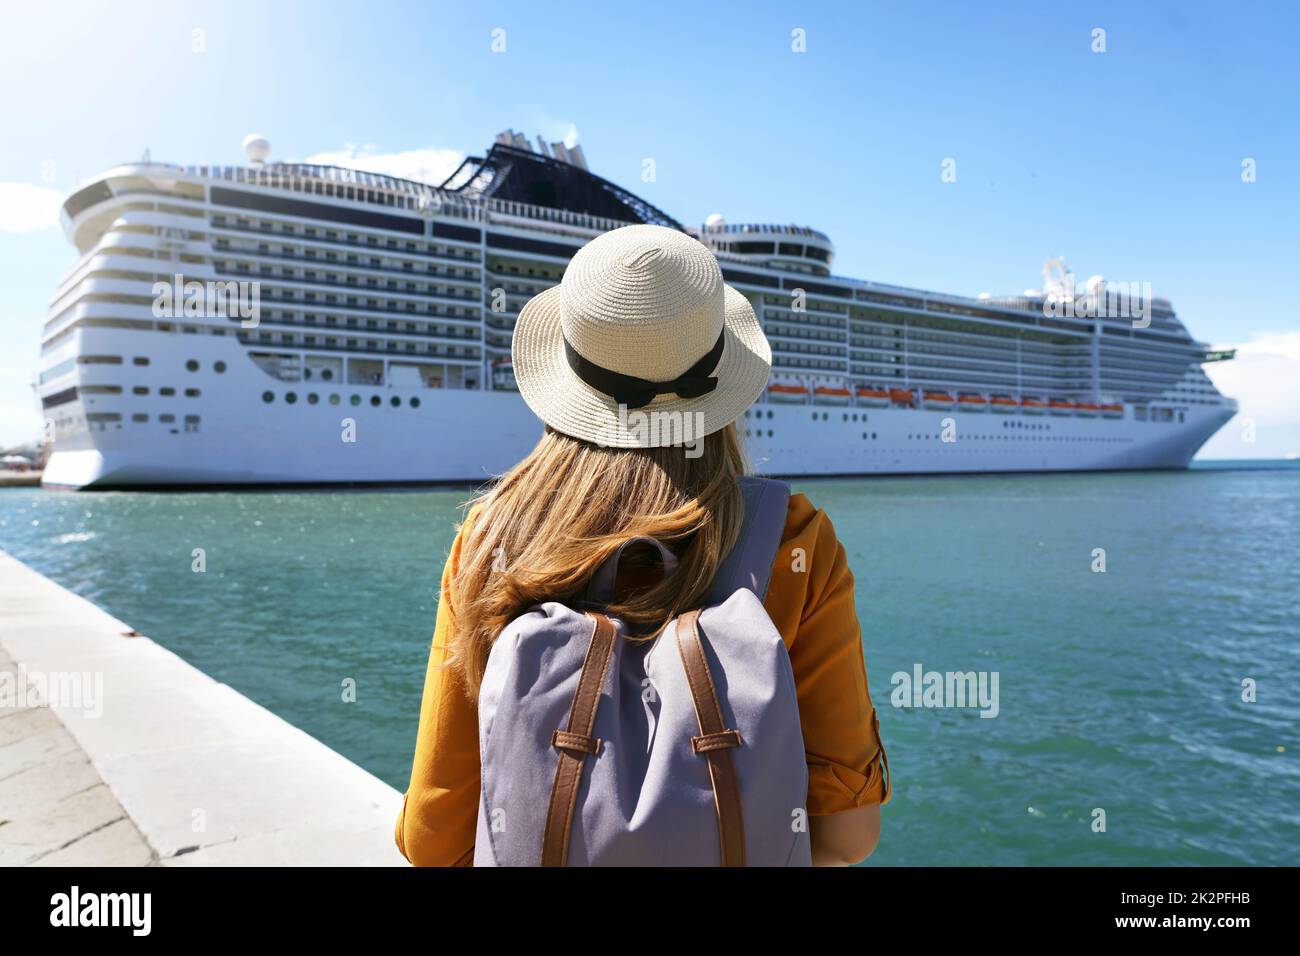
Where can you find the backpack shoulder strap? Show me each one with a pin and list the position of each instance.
(749, 565)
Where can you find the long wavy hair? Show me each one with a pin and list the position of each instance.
(541, 531)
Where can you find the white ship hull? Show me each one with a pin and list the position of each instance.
(458, 435)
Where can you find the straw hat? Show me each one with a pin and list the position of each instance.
(641, 323)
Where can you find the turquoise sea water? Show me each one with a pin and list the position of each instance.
(1118, 690)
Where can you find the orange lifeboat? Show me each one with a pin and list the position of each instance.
(1032, 406)
(785, 392)
(971, 402)
(873, 397)
(503, 375)
(902, 396)
(1003, 403)
(1112, 410)
(1087, 410)
(831, 395)
(936, 398)
(1059, 406)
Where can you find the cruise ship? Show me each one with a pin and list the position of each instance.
(294, 324)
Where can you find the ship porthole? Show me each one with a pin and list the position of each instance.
(375, 400)
(268, 397)
(334, 399)
(312, 398)
(415, 403)
(219, 367)
(291, 397)
(356, 399)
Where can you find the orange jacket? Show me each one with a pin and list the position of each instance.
(810, 599)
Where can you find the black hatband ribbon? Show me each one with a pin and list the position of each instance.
(637, 392)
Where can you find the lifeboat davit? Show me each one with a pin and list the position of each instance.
(902, 396)
(970, 402)
(1087, 410)
(872, 397)
(1059, 406)
(831, 395)
(1004, 404)
(1112, 410)
(936, 398)
(1032, 406)
(785, 392)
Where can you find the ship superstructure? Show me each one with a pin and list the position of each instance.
(288, 323)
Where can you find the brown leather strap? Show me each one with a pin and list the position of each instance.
(715, 740)
(575, 743)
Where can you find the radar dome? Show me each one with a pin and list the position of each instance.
(715, 221)
(256, 148)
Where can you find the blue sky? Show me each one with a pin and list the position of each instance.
(1127, 162)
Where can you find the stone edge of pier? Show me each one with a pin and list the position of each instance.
(178, 769)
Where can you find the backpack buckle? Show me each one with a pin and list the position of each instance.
(722, 740)
(566, 740)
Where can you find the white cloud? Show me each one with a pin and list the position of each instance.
(28, 208)
(429, 165)
(1264, 378)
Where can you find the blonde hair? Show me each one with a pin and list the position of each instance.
(543, 529)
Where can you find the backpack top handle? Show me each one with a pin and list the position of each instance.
(600, 592)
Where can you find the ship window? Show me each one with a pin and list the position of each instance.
(291, 397)
(334, 399)
(375, 400)
(268, 397)
(356, 399)
(415, 402)
(140, 390)
(192, 365)
(166, 391)
(139, 417)
(191, 393)
(166, 418)
(395, 401)
(100, 359)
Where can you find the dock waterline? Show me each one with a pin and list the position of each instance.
(115, 752)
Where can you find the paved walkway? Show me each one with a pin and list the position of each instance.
(141, 758)
(55, 810)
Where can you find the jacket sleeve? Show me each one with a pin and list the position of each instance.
(812, 602)
(440, 810)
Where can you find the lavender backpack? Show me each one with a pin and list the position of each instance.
(681, 751)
